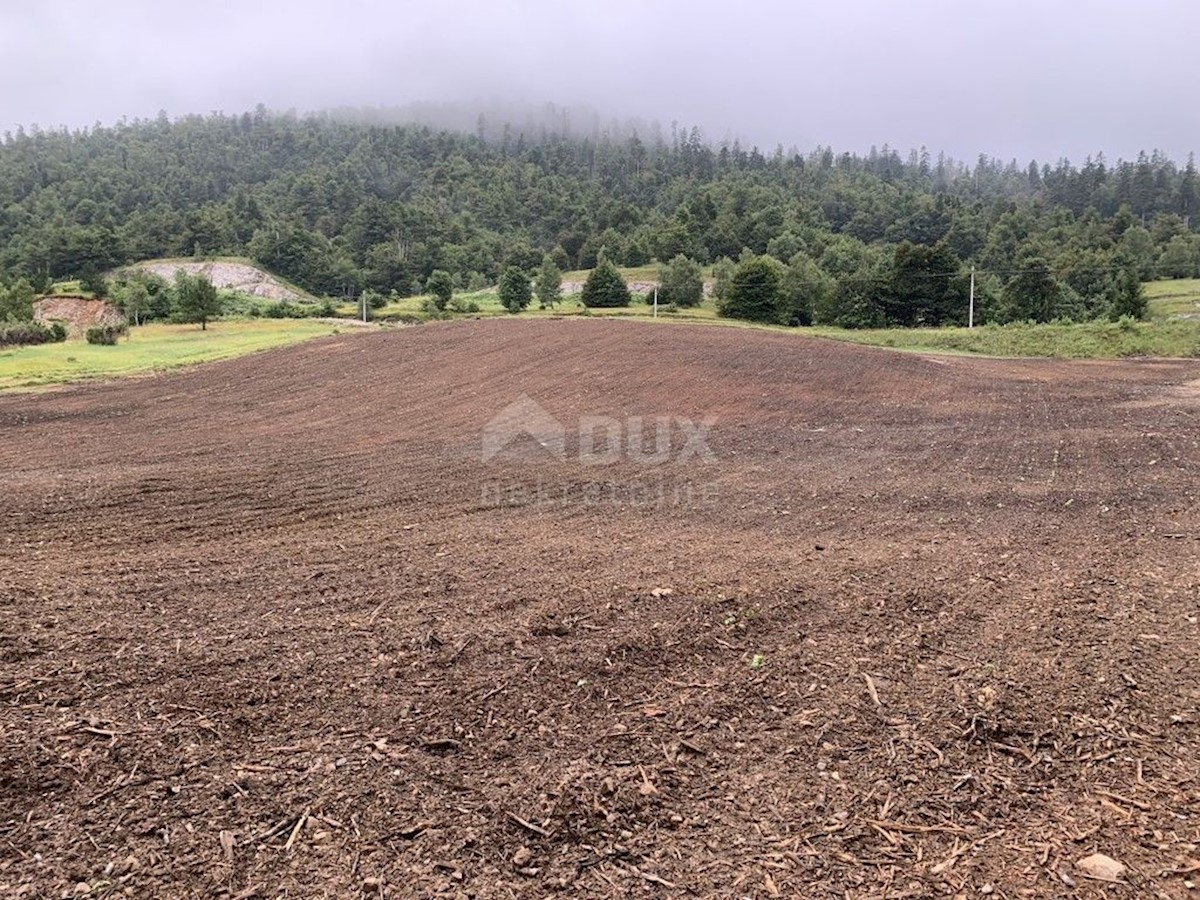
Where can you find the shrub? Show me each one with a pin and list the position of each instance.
(106, 335)
(431, 306)
(19, 334)
(1127, 323)
(285, 310)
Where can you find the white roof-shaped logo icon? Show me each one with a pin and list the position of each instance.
(524, 416)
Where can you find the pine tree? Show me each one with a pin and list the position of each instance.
(1034, 294)
(514, 289)
(604, 286)
(1131, 297)
(923, 289)
(16, 302)
(549, 284)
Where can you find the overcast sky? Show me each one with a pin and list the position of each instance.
(1010, 79)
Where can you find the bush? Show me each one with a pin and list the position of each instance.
(285, 310)
(462, 305)
(106, 335)
(431, 306)
(24, 334)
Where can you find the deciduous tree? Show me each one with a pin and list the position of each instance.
(754, 291)
(441, 285)
(1033, 293)
(196, 299)
(681, 282)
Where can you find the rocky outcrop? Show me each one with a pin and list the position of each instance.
(77, 314)
(244, 279)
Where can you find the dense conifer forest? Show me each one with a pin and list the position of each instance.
(339, 205)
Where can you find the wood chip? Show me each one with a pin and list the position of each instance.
(871, 689)
(919, 829)
(227, 845)
(527, 825)
(296, 831)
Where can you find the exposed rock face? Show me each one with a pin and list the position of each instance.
(635, 287)
(77, 314)
(234, 276)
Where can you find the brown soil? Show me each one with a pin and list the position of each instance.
(925, 628)
(77, 314)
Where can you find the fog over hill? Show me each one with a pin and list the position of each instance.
(1015, 80)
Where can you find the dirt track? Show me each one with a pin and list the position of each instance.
(925, 627)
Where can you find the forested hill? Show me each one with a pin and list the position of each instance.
(338, 206)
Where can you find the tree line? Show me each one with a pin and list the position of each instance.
(340, 206)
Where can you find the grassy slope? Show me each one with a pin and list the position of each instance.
(156, 347)
(1159, 337)
(1089, 340)
(1174, 297)
(150, 348)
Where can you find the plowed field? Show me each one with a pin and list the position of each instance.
(879, 625)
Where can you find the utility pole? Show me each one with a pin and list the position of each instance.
(971, 308)
(363, 301)
(656, 301)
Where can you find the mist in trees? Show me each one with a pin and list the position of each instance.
(339, 206)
